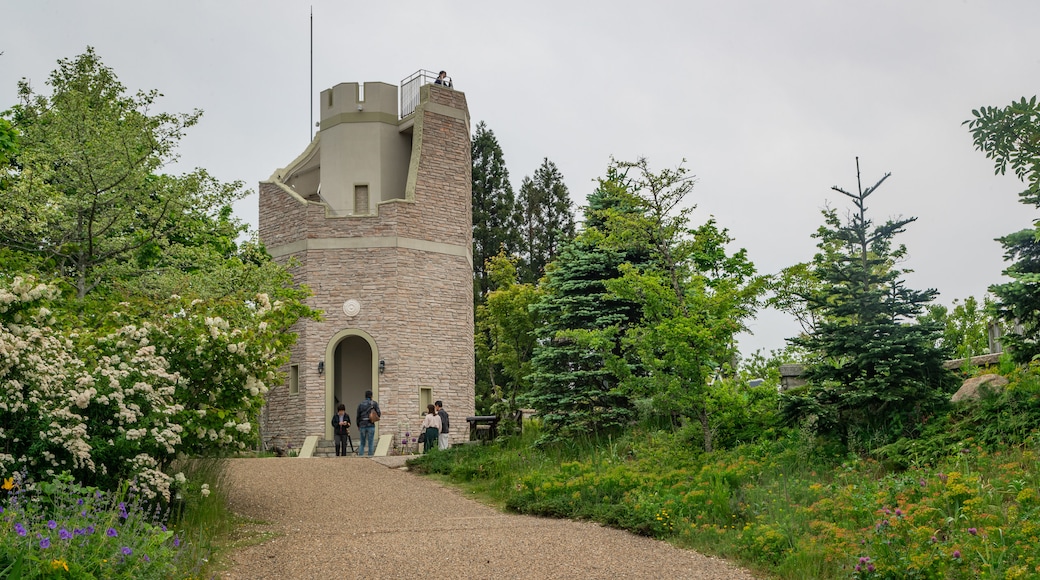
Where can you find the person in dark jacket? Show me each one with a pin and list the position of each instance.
(443, 439)
(365, 426)
(341, 430)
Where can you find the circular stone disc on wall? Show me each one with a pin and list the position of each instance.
(351, 307)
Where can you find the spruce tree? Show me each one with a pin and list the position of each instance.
(876, 373)
(572, 387)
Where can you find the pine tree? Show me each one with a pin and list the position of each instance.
(877, 374)
(495, 219)
(546, 219)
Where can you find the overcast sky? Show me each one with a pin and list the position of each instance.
(769, 102)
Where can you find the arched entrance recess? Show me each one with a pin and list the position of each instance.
(350, 370)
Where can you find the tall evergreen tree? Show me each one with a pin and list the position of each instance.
(877, 374)
(1011, 136)
(570, 384)
(547, 221)
(495, 221)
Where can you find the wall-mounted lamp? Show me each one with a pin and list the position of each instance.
(321, 367)
(382, 366)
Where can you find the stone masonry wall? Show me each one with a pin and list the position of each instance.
(416, 305)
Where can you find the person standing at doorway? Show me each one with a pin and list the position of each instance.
(341, 430)
(365, 425)
(431, 428)
(443, 440)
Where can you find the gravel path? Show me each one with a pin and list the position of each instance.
(356, 517)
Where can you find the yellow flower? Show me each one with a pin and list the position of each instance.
(58, 564)
(8, 483)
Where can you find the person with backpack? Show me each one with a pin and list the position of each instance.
(368, 413)
(341, 430)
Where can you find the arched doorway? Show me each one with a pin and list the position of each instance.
(351, 369)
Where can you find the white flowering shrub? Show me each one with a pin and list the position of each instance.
(120, 401)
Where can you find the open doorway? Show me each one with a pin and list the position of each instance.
(351, 373)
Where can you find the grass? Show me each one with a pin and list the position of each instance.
(787, 504)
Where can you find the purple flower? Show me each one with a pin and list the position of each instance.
(176, 541)
(146, 558)
(45, 543)
(52, 524)
(79, 501)
(923, 483)
(956, 554)
(870, 567)
(122, 510)
(112, 532)
(127, 551)
(20, 529)
(77, 532)
(934, 539)
(899, 512)
(857, 568)
(90, 530)
(973, 531)
(65, 534)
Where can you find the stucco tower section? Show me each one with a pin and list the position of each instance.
(375, 217)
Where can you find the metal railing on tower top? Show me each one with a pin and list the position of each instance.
(410, 89)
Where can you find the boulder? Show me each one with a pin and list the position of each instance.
(971, 389)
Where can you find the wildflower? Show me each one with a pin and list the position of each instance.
(8, 484)
(956, 554)
(870, 567)
(90, 530)
(59, 564)
(146, 558)
(65, 534)
(127, 551)
(20, 529)
(122, 510)
(864, 559)
(899, 512)
(52, 524)
(45, 543)
(112, 532)
(973, 531)
(176, 541)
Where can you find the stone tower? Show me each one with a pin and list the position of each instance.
(376, 213)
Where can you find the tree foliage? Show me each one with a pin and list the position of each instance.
(1010, 136)
(547, 222)
(572, 387)
(693, 294)
(86, 196)
(965, 327)
(495, 220)
(875, 373)
(509, 324)
(133, 326)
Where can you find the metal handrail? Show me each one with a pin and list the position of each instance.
(410, 89)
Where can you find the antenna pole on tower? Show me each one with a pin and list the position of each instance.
(310, 95)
